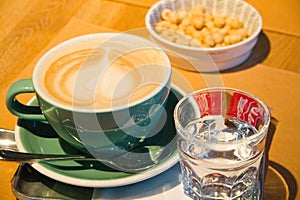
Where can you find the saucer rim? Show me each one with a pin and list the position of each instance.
(104, 183)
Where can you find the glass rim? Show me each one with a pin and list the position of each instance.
(267, 115)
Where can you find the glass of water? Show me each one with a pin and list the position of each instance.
(222, 134)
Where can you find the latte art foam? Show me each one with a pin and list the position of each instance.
(98, 79)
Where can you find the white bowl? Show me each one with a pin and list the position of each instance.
(208, 59)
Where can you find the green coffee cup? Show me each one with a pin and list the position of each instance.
(102, 93)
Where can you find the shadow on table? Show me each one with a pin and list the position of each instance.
(259, 54)
(280, 183)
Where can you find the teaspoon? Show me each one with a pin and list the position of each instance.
(128, 161)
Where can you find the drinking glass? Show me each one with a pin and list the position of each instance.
(222, 134)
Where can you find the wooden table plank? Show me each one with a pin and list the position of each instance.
(7, 171)
(279, 15)
(284, 51)
(113, 14)
(42, 22)
(11, 13)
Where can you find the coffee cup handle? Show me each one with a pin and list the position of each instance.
(17, 108)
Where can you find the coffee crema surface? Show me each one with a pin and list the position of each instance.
(102, 78)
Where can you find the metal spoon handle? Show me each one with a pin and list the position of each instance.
(7, 139)
(22, 157)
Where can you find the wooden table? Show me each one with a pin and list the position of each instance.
(30, 27)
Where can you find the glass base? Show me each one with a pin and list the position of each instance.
(252, 193)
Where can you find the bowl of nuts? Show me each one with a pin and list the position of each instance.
(204, 36)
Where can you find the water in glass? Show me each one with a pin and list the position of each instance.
(220, 158)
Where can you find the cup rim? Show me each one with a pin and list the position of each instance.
(94, 36)
(260, 133)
